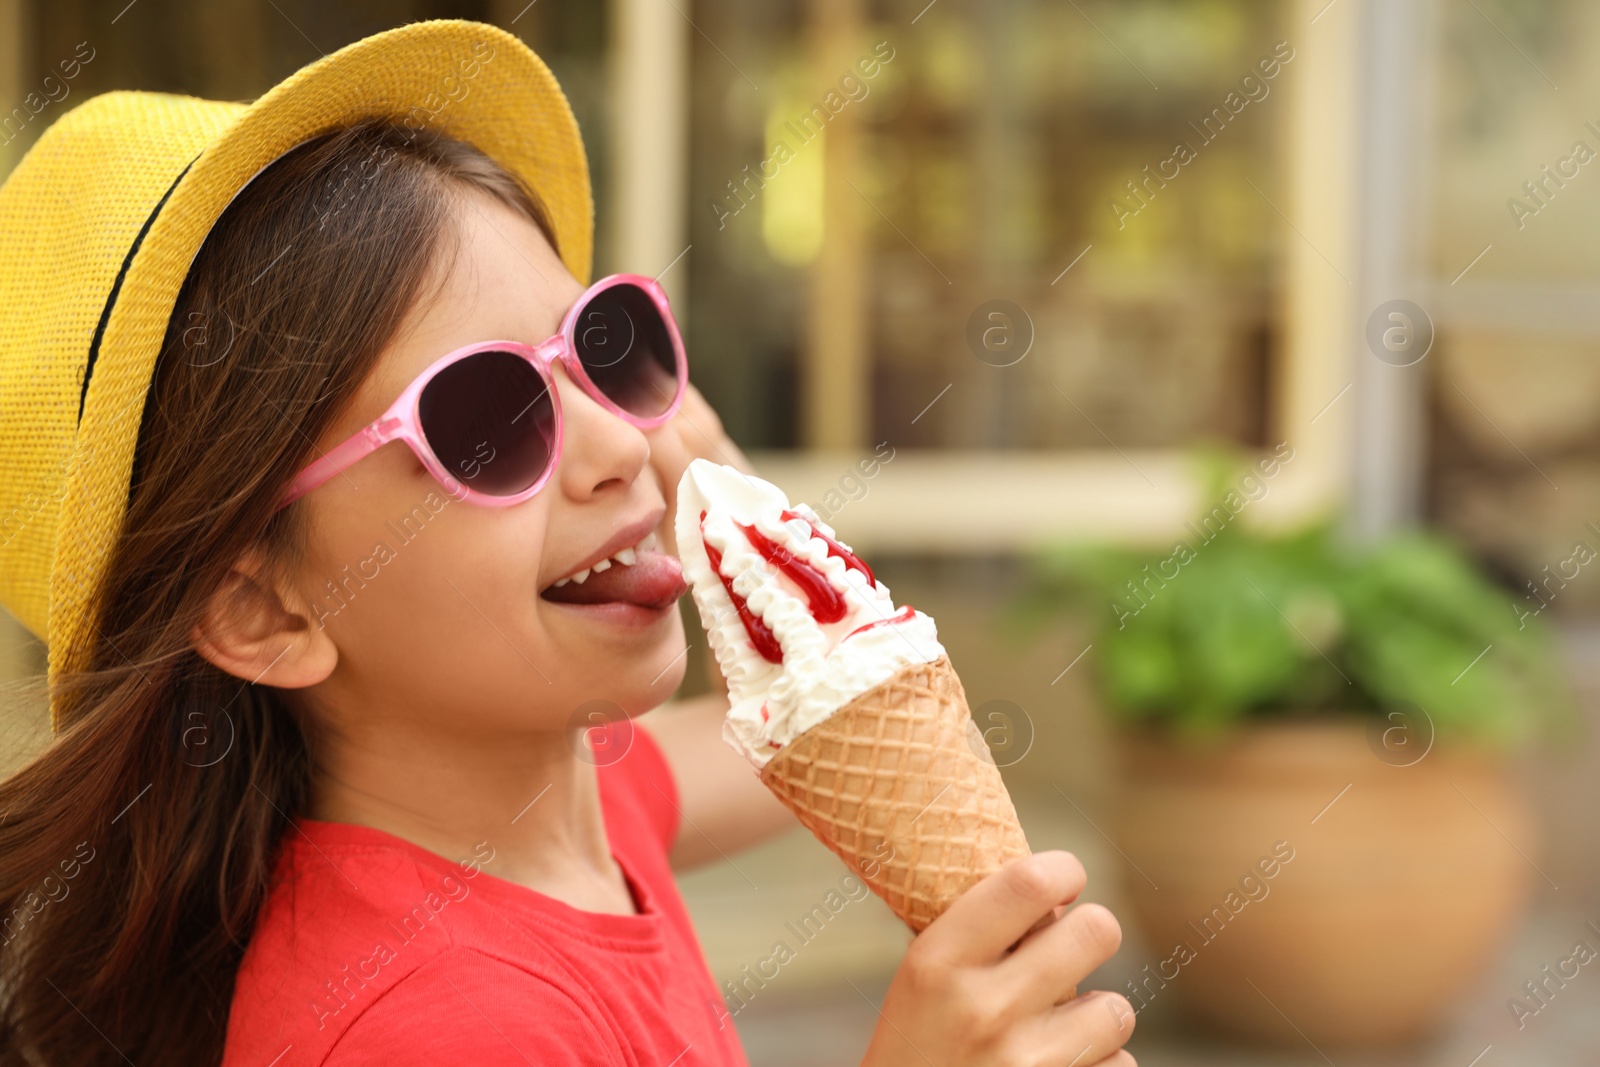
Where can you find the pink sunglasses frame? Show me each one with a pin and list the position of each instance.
(401, 422)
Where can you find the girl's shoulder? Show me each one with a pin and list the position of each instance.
(351, 913)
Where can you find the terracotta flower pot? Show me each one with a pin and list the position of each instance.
(1293, 885)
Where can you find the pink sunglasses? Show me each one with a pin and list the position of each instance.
(485, 420)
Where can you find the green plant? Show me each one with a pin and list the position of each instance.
(1245, 625)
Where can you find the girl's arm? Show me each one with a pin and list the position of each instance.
(723, 806)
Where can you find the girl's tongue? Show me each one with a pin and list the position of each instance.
(654, 580)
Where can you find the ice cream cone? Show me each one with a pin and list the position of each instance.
(899, 784)
(845, 702)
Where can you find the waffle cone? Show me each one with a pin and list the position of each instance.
(899, 783)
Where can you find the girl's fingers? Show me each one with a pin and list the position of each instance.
(1121, 1058)
(989, 918)
(1090, 1029)
(703, 435)
(1050, 963)
(1044, 920)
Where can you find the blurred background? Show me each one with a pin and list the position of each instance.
(1026, 261)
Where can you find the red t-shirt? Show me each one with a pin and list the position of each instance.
(373, 950)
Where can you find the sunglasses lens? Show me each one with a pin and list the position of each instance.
(491, 421)
(626, 349)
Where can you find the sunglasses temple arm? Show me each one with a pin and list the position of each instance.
(336, 459)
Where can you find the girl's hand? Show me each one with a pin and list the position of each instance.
(695, 432)
(963, 997)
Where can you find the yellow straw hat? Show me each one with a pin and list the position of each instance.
(101, 219)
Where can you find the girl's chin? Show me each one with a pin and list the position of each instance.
(636, 649)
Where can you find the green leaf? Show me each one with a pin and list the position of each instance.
(1233, 625)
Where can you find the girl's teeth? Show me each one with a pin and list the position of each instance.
(627, 557)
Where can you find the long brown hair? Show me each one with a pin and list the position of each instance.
(136, 849)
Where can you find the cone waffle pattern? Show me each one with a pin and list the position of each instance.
(900, 784)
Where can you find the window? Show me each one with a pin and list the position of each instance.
(983, 236)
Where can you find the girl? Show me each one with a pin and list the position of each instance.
(348, 771)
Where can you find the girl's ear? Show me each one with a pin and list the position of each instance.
(253, 631)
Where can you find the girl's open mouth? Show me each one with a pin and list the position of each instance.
(638, 577)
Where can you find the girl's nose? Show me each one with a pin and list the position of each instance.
(599, 448)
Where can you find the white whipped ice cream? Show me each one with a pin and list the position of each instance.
(797, 623)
